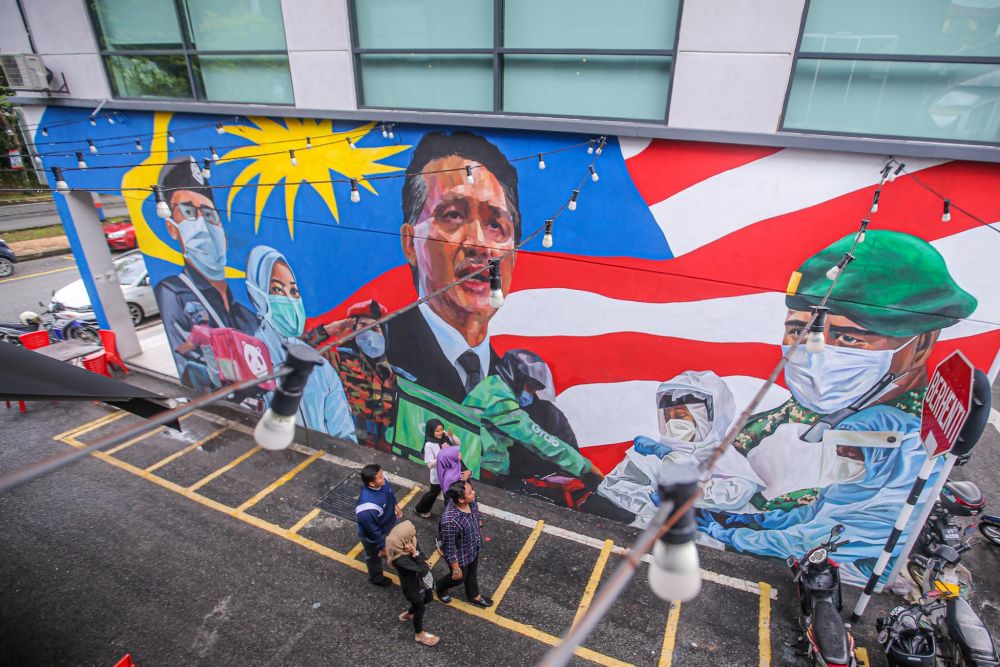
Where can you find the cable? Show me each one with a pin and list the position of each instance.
(947, 199)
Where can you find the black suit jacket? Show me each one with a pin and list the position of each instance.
(411, 346)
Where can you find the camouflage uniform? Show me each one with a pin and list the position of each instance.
(764, 424)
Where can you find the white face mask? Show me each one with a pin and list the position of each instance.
(204, 247)
(679, 429)
(836, 377)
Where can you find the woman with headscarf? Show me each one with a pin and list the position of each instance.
(449, 467)
(274, 292)
(435, 439)
(403, 553)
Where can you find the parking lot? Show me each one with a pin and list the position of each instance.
(542, 563)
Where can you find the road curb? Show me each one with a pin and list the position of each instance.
(42, 254)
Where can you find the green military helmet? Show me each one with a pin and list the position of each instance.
(898, 285)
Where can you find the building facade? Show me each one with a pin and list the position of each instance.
(659, 189)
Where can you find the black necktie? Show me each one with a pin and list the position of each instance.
(469, 361)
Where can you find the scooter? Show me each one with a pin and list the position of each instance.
(59, 327)
(907, 637)
(821, 600)
(961, 636)
(989, 526)
(943, 537)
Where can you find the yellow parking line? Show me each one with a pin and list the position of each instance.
(515, 567)
(507, 623)
(595, 579)
(129, 443)
(434, 558)
(862, 655)
(670, 635)
(90, 426)
(40, 273)
(358, 548)
(176, 455)
(224, 469)
(304, 521)
(764, 625)
(278, 482)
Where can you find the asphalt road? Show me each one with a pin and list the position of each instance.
(34, 281)
(43, 214)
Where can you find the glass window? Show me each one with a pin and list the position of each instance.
(222, 50)
(951, 101)
(148, 76)
(444, 82)
(424, 24)
(605, 86)
(130, 269)
(589, 24)
(939, 28)
(253, 79)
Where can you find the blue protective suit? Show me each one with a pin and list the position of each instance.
(324, 405)
(867, 507)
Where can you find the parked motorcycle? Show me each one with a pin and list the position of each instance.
(59, 327)
(961, 637)
(817, 576)
(943, 537)
(907, 637)
(989, 526)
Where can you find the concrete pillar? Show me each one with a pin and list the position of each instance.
(86, 238)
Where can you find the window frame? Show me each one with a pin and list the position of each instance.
(188, 52)
(887, 57)
(497, 52)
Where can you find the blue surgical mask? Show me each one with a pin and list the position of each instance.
(371, 343)
(838, 376)
(525, 399)
(204, 247)
(287, 315)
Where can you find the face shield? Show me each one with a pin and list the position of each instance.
(523, 369)
(685, 415)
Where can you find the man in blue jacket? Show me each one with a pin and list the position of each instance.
(376, 514)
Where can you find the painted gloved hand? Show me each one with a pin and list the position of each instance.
(648, 446)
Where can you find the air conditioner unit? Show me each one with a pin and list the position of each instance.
(24, 71)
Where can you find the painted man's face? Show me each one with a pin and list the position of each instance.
(460, 228)
(186, 205)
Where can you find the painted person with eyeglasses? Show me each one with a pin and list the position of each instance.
(199, 294)
(451, 229)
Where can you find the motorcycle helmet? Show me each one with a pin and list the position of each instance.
(519, 367)
(29, 317)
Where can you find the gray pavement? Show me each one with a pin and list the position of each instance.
(43, 214)
(34, 281)
(148, 551)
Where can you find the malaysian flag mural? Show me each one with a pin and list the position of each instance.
(641, 333)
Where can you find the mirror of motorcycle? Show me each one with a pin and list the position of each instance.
(790, 561)
(837, 530)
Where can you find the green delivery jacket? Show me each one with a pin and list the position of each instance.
(505, 424)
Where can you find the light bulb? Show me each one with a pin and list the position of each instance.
(833, 272)
(291, 153)
(590, 148)
(385, 133)
(674, 574)
(93, 122)
(215, 156)
(541, 161)
(469, 178)
(391, 135)
(496, 285)
(572, 200)
(355, 193)
(206, 169)
(815, 342)
(138, 145)
(38, 162)
(598, 151)
(946, 215)
(90, 144)
(496, 298)
(547, 240)
(874, 208)
(350, 143)
(274, 431)
(861, 237)
(218, 128)
(45, 132)
(111, 120)
(593, 174)
(61, 184)
(162, 208)
(896, 172)
(170, 137)
(309, 143)
(80, 161)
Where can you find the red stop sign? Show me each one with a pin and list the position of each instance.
(946, 404)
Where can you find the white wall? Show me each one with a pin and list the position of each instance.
(734, 58)
(319, 53)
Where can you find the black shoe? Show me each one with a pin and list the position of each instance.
(444, 597)
(482, 602)
(384, 581)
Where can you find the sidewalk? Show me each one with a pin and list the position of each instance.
(38, 248)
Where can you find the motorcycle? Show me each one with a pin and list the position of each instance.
(906, 637)
(59, 326)
(961, 637)
(989, 526)
(817, 576)
(943, 537)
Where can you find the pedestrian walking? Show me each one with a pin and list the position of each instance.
(376, 513)
(435, 440)
(461, 541)
(403, 553)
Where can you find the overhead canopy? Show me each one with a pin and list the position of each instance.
(29, 376)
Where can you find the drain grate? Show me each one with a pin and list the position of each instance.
(341, 499)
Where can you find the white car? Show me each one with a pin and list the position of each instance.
(74, 301)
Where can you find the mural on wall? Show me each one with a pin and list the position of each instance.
(641, 335)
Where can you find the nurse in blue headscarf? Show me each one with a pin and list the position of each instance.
(274, 292)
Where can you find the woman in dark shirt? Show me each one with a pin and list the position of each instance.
(403, 553)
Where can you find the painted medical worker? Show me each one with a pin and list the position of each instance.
(274, 292)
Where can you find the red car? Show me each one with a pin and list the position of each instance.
(120, 235)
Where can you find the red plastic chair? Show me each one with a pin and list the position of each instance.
(126, 661)
(110, 343)
(20, 405)
(97, 363)
(35, 339)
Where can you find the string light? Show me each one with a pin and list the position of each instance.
(572, 200)
(600, 146)
(91, 146)
(291, 153)
(38, 162)
(309, 143)
(45, 132)
(351, 143)
(898, 170)
(219, 129)
(593, 174)
(874, 208)
(138, 145)
(946, 214)
(111, 120)
(541, 161)
(80, 163)
(469, 178)
(885, 172)
(547, 238)
(496, 285)
(391, 134)
(836, 270)
(206, 169)
(215, 156)
(590, 147)
(385, 132)
(61, 185)
(816, 340)
(355, 194)
(170, 137)
(162, 208)
(864, 228)
(93, 121)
